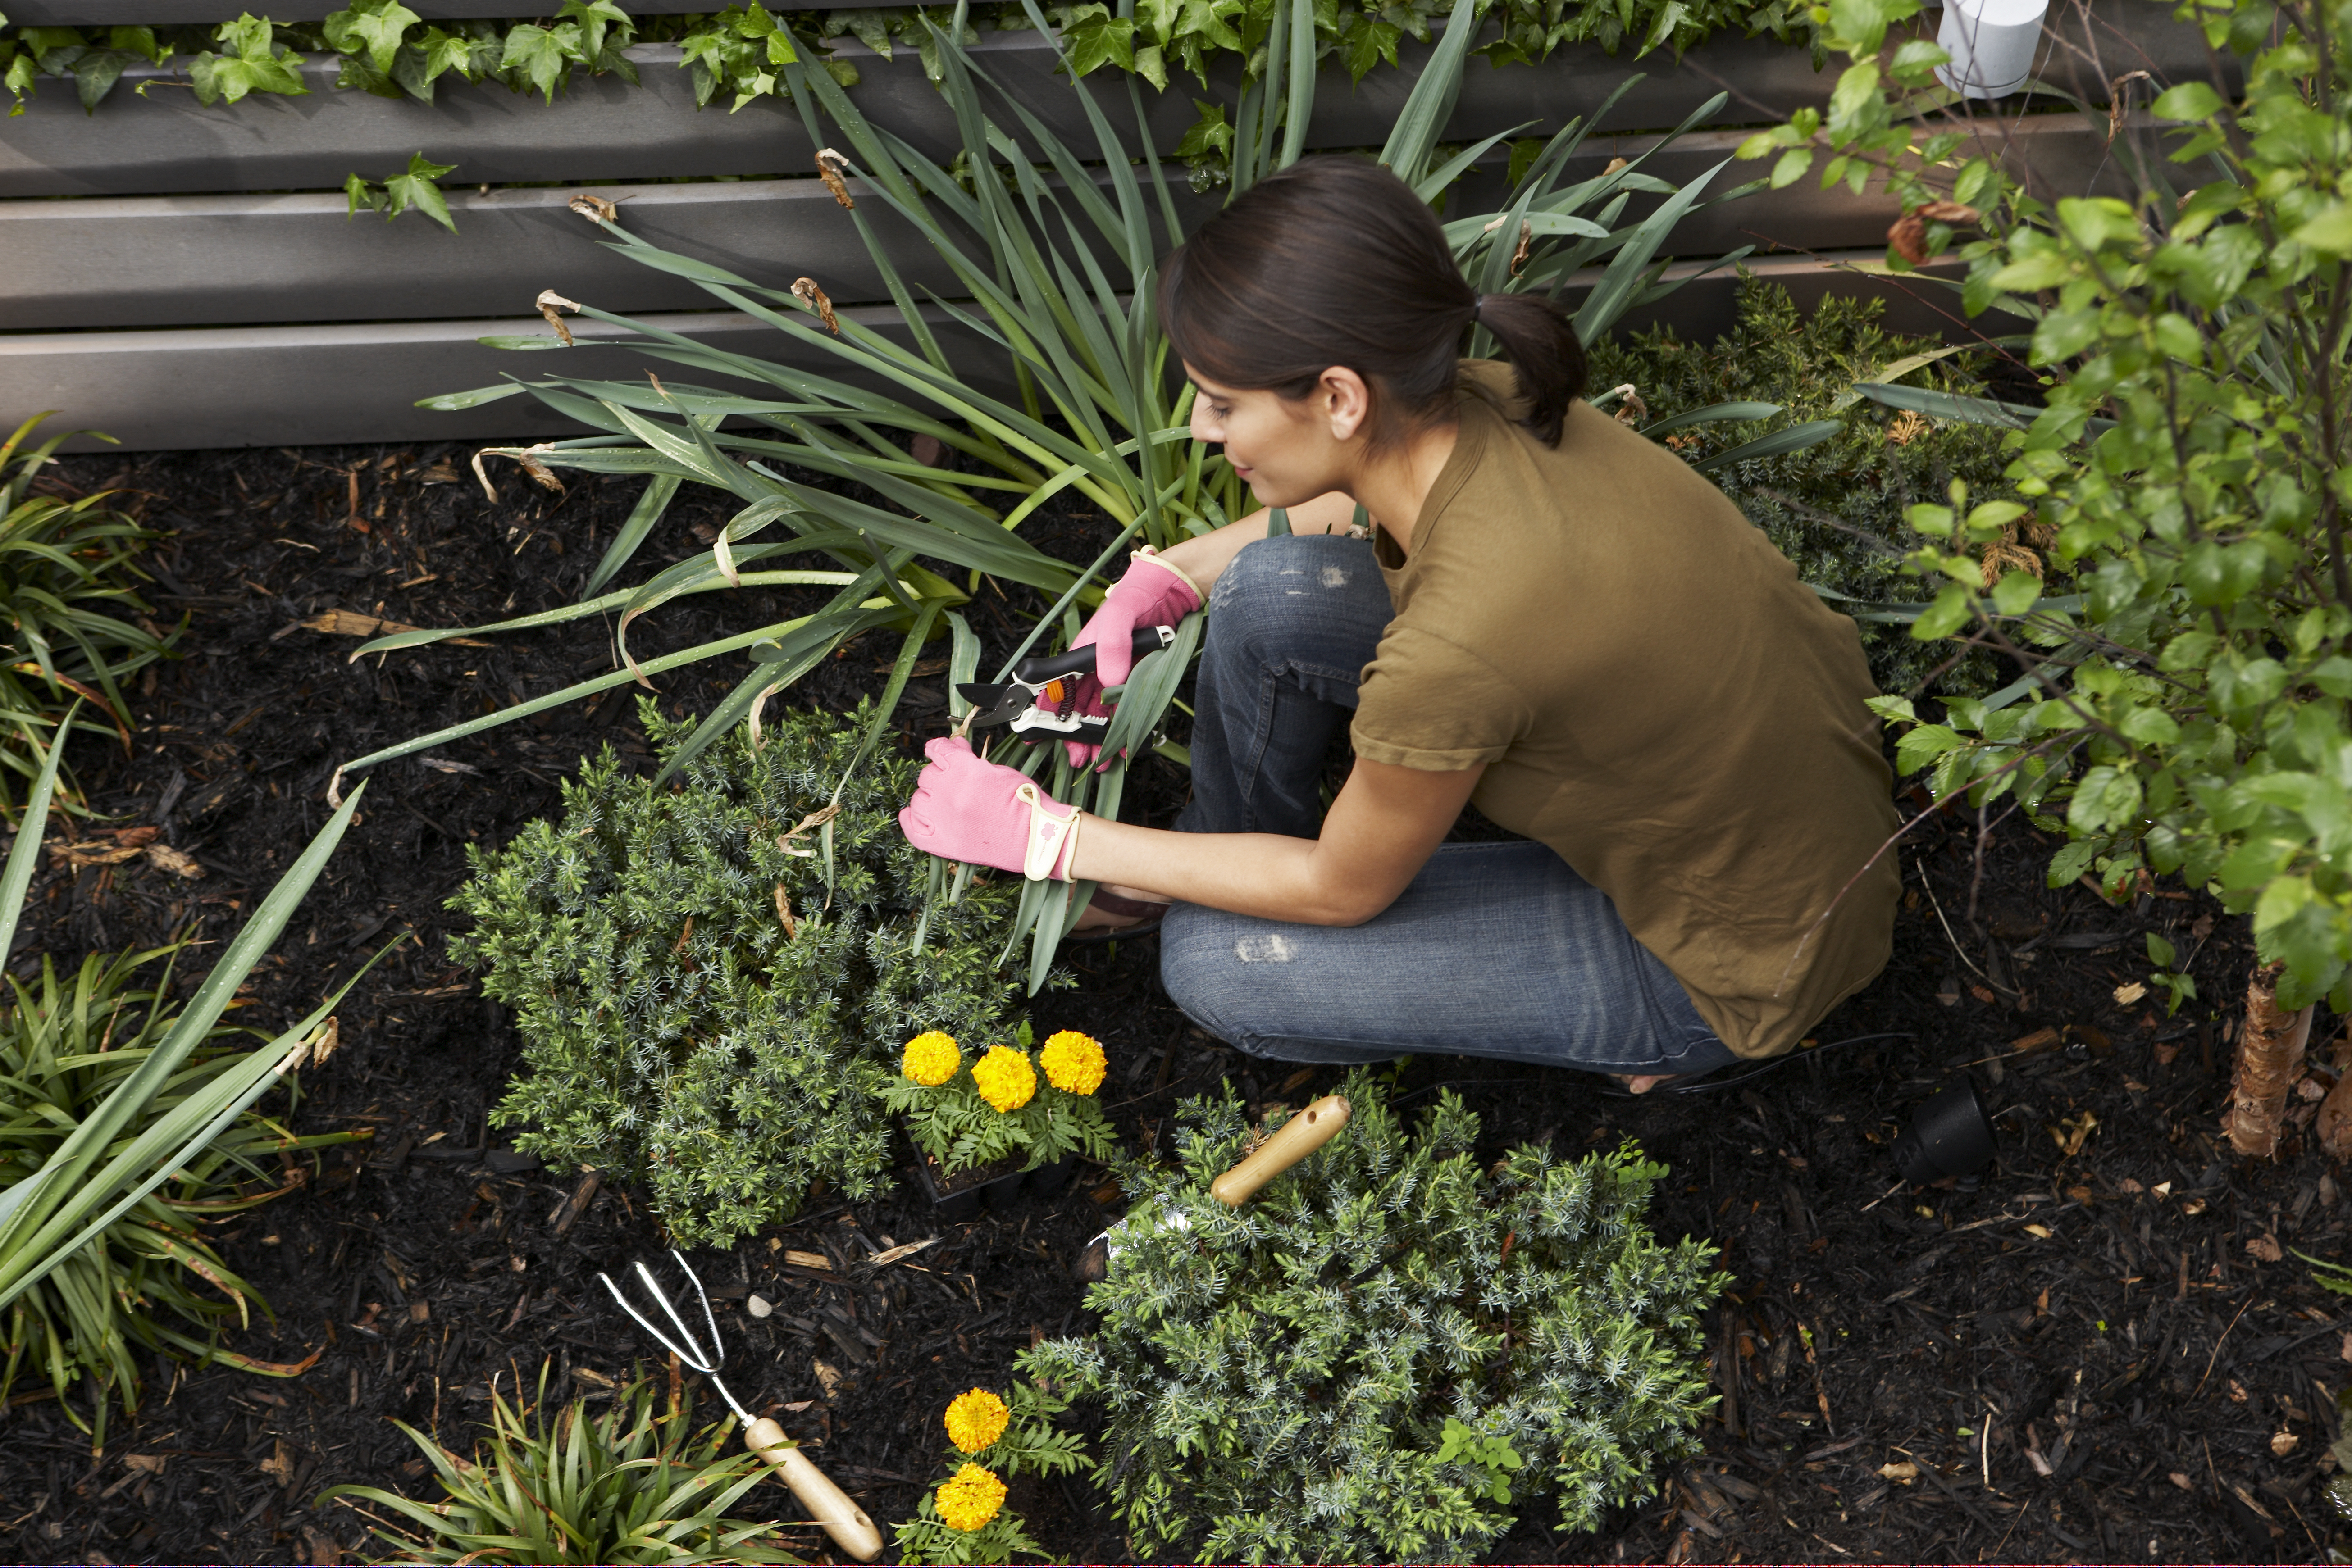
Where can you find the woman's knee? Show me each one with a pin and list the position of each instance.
(1288, 596)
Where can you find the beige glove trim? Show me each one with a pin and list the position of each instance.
(1152, 553)
(1053, 842)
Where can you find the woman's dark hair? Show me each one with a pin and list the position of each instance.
(1334, 261)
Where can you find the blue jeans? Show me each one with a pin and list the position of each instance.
(1495, 949)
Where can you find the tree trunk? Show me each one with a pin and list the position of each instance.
(2333, 1125)
(2270, 1059)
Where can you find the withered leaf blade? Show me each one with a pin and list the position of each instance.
(1630, 409)
(594, 207)
(830, 165)
(539, 471)
(1526, 246)
(806, 290)
(548, 303)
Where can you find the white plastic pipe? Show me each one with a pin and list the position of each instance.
(1992, 44)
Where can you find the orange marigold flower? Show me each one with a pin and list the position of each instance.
(976, 1419)
(970, 1498)
(1073, 1062)
(1006, 1080)
(931, 1058)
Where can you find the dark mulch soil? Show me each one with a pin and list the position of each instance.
(2081, 1361)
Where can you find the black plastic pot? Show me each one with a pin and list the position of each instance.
(1950, 1136)
(997, 1194)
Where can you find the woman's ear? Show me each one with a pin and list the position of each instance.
(1346, 401)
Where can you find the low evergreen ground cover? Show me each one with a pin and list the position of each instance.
(713, 980)
(1388, 1352)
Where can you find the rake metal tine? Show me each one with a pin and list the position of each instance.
(623, 1302)
(693, 1354)
(717, 1345)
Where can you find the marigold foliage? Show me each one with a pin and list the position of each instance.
(1074, 1062)
(976, 1419)
(1279, 1379)
(930, 1059)
(1005, 1078)
(710, 995)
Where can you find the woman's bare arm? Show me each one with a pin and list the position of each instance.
(1382, 830)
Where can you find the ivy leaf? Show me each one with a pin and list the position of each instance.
(358, 193)
(373, 28)
(416, 189)
(96, 73)
(536, 55)
(1209, 136)
(1095, 37)
(592, 17)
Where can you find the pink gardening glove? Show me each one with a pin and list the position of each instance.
(1152, 593)
(984, 813)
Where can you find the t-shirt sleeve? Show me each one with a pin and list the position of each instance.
(1426, 702)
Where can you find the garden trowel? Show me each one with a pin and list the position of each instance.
(1291, 1143)
(1040, 702)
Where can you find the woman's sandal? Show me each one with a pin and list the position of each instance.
(1139, 918)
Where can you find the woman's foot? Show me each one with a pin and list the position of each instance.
(1642, 1083)
(1116, 912)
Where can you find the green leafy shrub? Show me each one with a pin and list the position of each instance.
(1835, 509)
(1282, 1380)
(712, 980)
(626, 1487)
(2191, 711)
(66, 568)
(963, 1518)
(148, 1280)
(996, 1102)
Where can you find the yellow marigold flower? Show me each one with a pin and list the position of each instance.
(931, 1058)
(970, 1498)
(976, 1419)
(1005, 1078)
(1073, 1062)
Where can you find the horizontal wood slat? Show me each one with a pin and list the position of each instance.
(160, 261)
(206, 13)
(292, 386)
(605, 130)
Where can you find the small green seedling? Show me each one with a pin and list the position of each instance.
(1461, 1444)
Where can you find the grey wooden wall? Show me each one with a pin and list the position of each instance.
(184, 276)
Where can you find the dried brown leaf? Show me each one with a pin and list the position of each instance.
(806, 290)
(830, 166)
(594, 207)
(1909, 238)
(1525, 247)
(548, 303)
(164, 857)
(1630, 409)
(784, 913)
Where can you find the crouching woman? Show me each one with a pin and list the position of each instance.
(1552, 618)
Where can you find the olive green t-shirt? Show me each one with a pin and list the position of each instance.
(1657, 697)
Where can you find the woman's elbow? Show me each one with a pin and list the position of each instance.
(1344, 906)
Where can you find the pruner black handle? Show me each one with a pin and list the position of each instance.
(1037, 670)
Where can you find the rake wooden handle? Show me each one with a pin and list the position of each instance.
(827, 1503)
(1293, 1142)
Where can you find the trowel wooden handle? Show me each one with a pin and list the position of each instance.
(827, 1503)
(1297, 1138)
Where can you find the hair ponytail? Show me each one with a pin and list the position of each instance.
(1334, 261)
(1536, 336)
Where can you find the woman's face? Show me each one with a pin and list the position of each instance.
(1288, 451)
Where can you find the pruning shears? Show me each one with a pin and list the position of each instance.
(1040, 702)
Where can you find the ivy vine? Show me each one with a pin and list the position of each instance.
(387, 49)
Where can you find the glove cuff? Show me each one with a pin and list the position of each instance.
(1152, 553)
(1052, 844)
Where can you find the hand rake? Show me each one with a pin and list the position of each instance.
(842, 1519)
